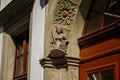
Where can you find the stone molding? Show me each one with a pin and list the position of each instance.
(71, 61)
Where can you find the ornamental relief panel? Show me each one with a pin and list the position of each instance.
(73, 74)
(65, 12)
(54, 74)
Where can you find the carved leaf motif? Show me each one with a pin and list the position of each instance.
(65, 6)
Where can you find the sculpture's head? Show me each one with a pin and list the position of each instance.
(59, 28)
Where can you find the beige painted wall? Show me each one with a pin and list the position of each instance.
(76, 33)
(8, 58)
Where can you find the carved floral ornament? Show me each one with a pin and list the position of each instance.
(65, 12)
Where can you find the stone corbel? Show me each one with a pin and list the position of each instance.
(60, 63)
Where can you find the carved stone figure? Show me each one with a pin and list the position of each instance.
(59, 45)
(59, 39)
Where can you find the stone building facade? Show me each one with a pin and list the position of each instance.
(59, 39)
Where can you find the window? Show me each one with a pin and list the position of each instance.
(21, 59)
(101, 14)
(102, 75)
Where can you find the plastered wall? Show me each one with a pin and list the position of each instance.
(8, 57)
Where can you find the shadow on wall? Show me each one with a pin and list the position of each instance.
(43, 3)
(84, 7)
(1, 29)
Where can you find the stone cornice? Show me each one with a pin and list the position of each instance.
(12, 10)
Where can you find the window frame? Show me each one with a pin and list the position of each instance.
(103, 14)
(86, 20)
(101, 68)
(25, 58)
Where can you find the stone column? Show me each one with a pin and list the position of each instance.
(1, 41)
(36, 47)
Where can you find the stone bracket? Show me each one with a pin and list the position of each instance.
(70, 61)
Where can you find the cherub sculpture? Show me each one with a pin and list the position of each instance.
(59, 39)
